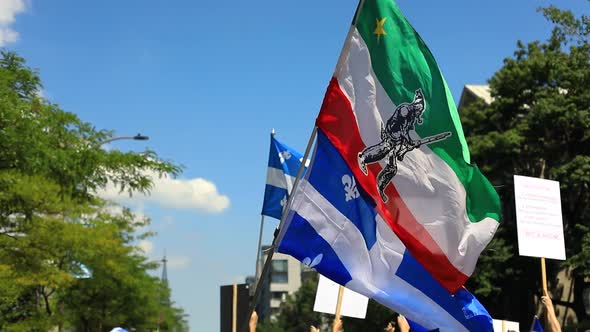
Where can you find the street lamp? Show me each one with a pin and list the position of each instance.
(138, 137)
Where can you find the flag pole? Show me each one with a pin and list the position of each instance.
(234, 309)
(339, 303)
(544, 277)
(258, 258)
(271, 251)
(286, 210)
(543, 269)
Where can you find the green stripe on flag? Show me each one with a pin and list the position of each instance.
(403, 63)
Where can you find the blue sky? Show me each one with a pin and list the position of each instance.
(208, 80)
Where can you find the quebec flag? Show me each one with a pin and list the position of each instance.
(283, 164)
(333, 227)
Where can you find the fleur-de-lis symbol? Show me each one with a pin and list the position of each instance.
(307, 261)
(285, 155)
(350, 190)
(306, 162)
(284, 201)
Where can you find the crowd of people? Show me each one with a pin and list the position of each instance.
(552, 324)
(402, 323)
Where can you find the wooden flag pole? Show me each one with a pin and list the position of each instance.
(544, 285)
(234, 310)
(543, 270)
(339, 303)
(271, 251)
(544, 276)
(503, 326)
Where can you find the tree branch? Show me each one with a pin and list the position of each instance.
(46, 300)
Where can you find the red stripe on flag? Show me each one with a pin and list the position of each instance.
(338, 122)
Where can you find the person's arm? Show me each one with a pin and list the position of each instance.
(313, 329)
(552, 323)
(253, 321)
(337, 326)
(389, 328)
(403, 324)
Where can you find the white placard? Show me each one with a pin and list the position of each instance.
(326, 298)
(510, 326)
(538, 217)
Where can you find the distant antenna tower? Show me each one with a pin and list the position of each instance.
(165, 300)
(164, 270)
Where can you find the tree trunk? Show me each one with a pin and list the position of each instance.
(578, 304)
(46, 300)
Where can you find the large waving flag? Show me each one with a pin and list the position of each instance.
(333, 226)
(283, 164)
(389, 113)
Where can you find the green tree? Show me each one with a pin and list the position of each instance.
(119, 288)
(296, 313)
(53, 223)
(538, 124)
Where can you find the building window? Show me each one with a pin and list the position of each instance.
(280, 271)
(281, 296)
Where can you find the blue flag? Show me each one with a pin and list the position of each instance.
(283, 164)
(537, 325)
(478, 317)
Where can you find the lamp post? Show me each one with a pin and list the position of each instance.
(138, 137)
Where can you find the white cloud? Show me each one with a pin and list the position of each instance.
(146, 246)
(8, 11)
(7, 36)
(178, 262)
(137, 212)
(41, 93)
(197, 193)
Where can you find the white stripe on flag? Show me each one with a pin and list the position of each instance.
(277, 178)
(334, 227)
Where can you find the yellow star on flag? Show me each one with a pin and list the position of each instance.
(380, 31)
